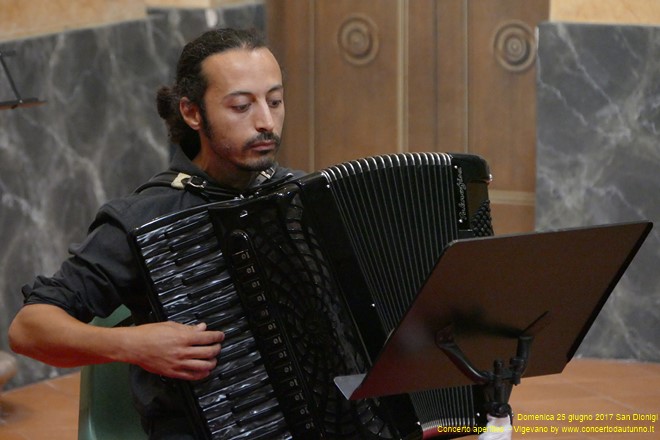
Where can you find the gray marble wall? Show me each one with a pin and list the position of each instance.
(97, 137)
(598, 162)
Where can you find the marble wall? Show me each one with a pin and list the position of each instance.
(598, 162)
(97, 137)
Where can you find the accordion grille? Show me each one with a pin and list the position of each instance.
(400, 211)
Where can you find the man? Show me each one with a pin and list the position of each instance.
(225, 111)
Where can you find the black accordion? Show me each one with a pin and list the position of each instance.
(307, 278)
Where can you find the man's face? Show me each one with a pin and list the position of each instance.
(244, 104)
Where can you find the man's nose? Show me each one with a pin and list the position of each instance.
(264, 118)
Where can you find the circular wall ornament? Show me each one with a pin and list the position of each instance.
(358, 39)
(514, 45)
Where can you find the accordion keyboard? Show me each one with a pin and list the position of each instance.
(186, 266)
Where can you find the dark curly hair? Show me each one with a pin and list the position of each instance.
(190, 81)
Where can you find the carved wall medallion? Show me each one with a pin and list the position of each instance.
(514, 46)
(358, 39)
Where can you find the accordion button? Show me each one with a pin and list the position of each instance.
(283, 370)
(252, 286)
(267, 328)
(290, 385)
(292, 401)
(304, 427)
(274, 342)
(261, 315)
(241, 257)
(300, 416)
(256, 300)
(246, 272)
(296, 398)
(279, 356)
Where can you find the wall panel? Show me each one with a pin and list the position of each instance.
(369, 77)
(502, 101)
(356, 74)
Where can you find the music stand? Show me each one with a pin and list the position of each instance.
(488, 298)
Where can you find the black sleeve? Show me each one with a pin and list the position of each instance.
(95, 280)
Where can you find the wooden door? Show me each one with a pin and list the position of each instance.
(501, 99)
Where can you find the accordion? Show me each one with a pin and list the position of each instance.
(307, 278)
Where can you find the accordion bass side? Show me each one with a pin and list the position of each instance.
(307, 278)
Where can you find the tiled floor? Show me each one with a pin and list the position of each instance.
(601, 391)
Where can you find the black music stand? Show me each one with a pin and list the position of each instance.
(530, 298)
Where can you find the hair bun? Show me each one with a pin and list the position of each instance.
(164, 104)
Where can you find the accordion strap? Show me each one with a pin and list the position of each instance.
(206, 189)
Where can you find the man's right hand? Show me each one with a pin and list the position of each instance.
(174, 350)
(47, 333)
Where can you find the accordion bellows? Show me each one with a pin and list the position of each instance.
(307, 278)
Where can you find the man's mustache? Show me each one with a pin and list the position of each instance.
(264, 137)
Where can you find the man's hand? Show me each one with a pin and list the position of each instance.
(47, 333)
(174, 350)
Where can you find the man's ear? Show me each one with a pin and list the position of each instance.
(190, 113)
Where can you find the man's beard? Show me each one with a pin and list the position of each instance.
(267, 159)
(262, 163)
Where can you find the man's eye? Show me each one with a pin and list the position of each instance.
(275, 102)
(241, 108)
